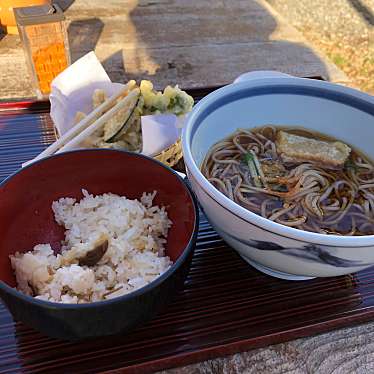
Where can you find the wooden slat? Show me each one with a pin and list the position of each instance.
(181, 64)
(189, 42)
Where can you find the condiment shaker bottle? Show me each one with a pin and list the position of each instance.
(44, 38)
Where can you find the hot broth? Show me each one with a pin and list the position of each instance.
(297, 178)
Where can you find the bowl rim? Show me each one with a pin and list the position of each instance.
(155, 283)
(349, 96)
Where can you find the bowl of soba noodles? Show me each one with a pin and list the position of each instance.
(284, 170)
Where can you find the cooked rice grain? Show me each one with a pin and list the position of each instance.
(136, 233)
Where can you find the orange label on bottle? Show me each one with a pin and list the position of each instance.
(49, 62)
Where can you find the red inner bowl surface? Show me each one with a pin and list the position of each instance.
(26, 216)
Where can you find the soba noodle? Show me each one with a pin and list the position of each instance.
(302, 195)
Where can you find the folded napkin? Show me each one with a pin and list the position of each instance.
(162, 127)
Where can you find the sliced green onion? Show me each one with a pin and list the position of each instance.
(258, 167)
(249, 159)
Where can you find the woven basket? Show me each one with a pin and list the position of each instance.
(171, 155)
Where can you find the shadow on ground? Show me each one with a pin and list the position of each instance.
(83, 36)
(114, 66)
(174, 42)
(226, 30)
(64, 4)
(364, 12)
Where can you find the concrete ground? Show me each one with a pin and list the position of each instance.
(342, 29)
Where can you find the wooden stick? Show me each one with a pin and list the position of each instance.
(84, 123)
(132, 96)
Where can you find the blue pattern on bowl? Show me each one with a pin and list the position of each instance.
(338, 111)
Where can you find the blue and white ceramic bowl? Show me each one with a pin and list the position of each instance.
(285, 252)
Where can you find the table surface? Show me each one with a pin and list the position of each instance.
(193, 43)
(196, 44)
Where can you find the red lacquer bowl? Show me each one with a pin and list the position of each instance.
(26, 219)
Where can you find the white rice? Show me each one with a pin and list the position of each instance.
(136, 233)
